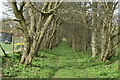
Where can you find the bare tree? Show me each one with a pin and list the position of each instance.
(36, 30)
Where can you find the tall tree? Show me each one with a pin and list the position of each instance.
(107, 31)
(35, 31)
(94, 25)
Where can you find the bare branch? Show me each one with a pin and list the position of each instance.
(6, 20)
(52, 10)
(22, 5)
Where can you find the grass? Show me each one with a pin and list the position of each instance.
(7, 48)
(61, 62)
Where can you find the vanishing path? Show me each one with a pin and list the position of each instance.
(68, 62)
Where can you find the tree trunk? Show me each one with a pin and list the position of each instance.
(26, 50)
(32, 46)
(94, 25)
(93, 43)
(103, 40)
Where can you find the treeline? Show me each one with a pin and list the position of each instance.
(92, 26)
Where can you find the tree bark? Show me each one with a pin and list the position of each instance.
(93, 43)
(94, 25)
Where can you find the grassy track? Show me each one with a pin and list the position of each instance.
(61, 62)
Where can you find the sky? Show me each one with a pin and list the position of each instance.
(1, 9)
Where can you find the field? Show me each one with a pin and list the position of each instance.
(7, 48)
(61, 62)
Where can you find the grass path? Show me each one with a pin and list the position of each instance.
(66, 62)
(72, 64)
(61, 62)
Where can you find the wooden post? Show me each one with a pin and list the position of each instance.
(13, 44)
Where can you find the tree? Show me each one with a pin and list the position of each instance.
(94, 25)
(35, 31)
(107, 31)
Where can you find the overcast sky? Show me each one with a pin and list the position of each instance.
(1, 9)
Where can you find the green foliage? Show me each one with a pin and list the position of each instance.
(61, 62)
